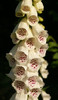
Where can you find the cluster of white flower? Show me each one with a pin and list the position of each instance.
(26, 57)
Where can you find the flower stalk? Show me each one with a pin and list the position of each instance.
(26, 57)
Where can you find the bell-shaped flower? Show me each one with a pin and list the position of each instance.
(11, 59)
(34, 82)
(34, 64)
(11, 75)
(19, 86)
(30, 43)
(19, 72)
(26, 6)
(13, 36)
(32, 17)
(21, 55)
(42, 50)
(34, 93)
(43, 70)
(45, 96)
(17, 96)
(39, 6)
(18, 12)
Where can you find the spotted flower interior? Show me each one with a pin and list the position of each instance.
(26, 57)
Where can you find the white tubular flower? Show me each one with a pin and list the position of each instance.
(39, 6)
(45, 96)
(17, 96)
(22, 31)
(13, 36)
(43, 70)
(11, 59)
(21, 55)
(18, 12)
(11, 75)
(42, 50)
(32, 17)
(34, 64)
(34, 93)
(30, 43)
(19, 86)
(34, 82)
(26, 6)
(20, 72)
(44, 73)
(40, 34)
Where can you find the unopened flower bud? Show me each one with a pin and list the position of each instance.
(39, 6)
(45, 96)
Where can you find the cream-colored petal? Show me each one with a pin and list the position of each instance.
(11, 59)
(35, 1)
(37, 29)
(14, 38)
(30, 43)
(32, 17)
(42, 50)
(45, 96)
(20, 96)
(30, 74)
(26, 5)
(18, 12)
(32, 82)
(39, 6)
(11, 75)
(34, 64)
(34, 93)
(33, 54)
(19, 86)
(20, 72)
(44, 73)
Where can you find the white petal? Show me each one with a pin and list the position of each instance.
(20, 71)
(18, 11)
(11, 75)
(30, 74)
(42, 50)
(39, 6)
(46, 96)
(21, 96)
(19, 86)
(34, 64)
(26, 5)
(32, 17)
(44, 73)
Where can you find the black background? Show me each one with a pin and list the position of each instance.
(7, 23)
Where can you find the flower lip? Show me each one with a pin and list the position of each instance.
(19, 84)
(33, 19)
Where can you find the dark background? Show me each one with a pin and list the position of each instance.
(7, 23)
